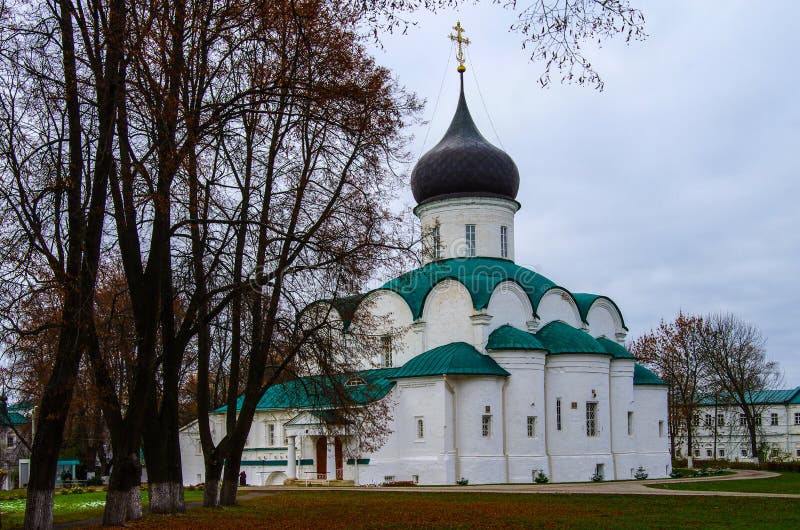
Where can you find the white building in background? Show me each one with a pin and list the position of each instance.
(720, 432)
(493, 371)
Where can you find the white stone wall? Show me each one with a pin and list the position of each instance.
(524, 397)
(623, 440)
(487, 214)
(651, 430)
(576, 380)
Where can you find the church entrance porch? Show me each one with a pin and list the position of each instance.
(329, 461)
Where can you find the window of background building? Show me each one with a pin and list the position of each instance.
(797, 418)
(420, 428)
(720, 420)
(630, 423)
(661, 428)
(503, 241)
(773, 418)
(707, 420)
(271, 435)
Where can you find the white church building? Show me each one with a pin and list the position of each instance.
(493, 372)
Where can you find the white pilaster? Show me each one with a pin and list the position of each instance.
(291, 467)
(331, 458)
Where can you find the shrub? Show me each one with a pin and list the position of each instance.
(541, 478)
(597, 477)
(640, 473)
(399, 483)
(462, 482)
(95, 481)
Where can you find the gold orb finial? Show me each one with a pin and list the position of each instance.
(461, 42)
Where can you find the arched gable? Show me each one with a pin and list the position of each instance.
(447, 311)
(559, 304)
(509, 304)
(604, 318)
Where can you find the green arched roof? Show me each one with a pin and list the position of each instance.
(510, 338)
(560, 337)
(585, 301)
(480, 276)
(616, 350)
(454, 358)
(643, 376)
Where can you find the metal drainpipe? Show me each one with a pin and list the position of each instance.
(545, 413)
(505, 422)
(454, 429)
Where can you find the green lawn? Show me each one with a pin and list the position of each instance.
(785, 483)
(74, 507)
(380, 509)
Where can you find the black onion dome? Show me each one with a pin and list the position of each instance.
(464, 164)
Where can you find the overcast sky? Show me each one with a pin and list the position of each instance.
(676, 188)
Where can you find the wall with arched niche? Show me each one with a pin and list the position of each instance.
(557, 304)
(509, 305)
(446, 314)
(385, 313)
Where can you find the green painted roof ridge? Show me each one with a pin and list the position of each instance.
(507, 337)
(559, 337)
(480, 276)
(585, 301)
(450, 359)
(617, 350)
(644, 376)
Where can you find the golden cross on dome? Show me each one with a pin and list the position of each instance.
(461, 42)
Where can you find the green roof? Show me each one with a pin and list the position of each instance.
(450, 359)
(560, 337)
(479, 275)
(585, 301)
(762, 397)
(15, 417)
(643, 376)
(616, 350)
(324, 392)
(346, 307)
(510, 338)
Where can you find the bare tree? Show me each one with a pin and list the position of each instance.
(734, 361)
(675, 352)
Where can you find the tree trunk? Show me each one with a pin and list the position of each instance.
(39, 509)
(230, 480)
(123, 486)
(211, 492)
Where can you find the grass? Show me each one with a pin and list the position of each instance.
(785, 483)
(380, 509)
(73, 507)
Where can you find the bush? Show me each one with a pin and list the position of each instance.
(640, 473)
(597, 477)
(95, 481)
(399, 483)
(541, 478)
(462, 482)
